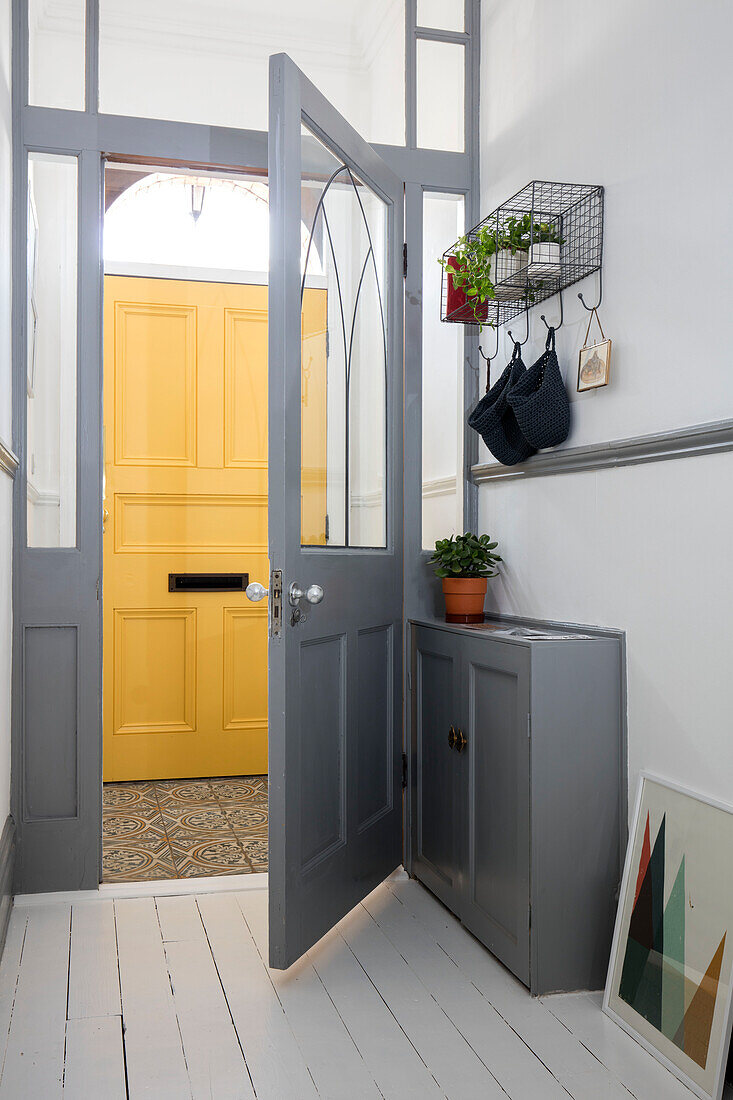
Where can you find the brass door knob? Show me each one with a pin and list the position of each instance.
(461, 740)
(452, 737)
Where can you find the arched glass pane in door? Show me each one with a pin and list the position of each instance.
(343, 389)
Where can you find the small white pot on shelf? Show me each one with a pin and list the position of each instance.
(503, 271)
(544, 259)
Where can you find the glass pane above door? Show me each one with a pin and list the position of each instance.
(443, 15)
(207, 62)
(56, 54)
(344, 356)
(440, 95)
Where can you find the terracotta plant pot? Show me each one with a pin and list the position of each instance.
(464, 599)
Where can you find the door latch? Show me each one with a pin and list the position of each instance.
(276, 603)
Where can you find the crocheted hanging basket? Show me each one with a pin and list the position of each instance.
(494, 419)
(540, 401)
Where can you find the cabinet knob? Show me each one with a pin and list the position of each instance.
(452, 737)
(461, 740)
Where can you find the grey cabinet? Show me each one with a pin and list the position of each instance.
(515, 794)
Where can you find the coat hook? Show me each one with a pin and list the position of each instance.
(488, 358)
(526, 330)
(600, 293)
(559, 324)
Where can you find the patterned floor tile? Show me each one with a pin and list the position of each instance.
(138, 822)
(187, 792)
(123, 796)
(206, 819)
(208, 856)
(246, 817)
(240, 788)
(137, 861)
(255, 849)
(184, 828)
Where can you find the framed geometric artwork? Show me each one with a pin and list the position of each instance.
(669, 978)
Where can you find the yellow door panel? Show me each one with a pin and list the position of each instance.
(185, 415)
(155, 384)
(154, 671)
(313, 419)
(166, 523)
(245, 393)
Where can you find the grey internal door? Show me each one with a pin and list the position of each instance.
(335, 516)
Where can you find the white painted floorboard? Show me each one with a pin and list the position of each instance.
(169, 998)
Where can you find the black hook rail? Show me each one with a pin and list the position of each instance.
(560, 323)
(600, 294)
(526, 330)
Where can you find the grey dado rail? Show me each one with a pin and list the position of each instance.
(8, 461)
(686, 442)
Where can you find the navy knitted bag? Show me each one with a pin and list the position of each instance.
(495, 421)
(540, 401)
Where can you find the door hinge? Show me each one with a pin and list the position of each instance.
(529, 725)
(97, 589)
(327, 529)
(404, 260)
(529, 916)
(328, 343)
(404, 770)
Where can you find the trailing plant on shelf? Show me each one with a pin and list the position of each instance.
(468, 268)
(465, 563)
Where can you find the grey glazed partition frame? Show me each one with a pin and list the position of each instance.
(62, 588)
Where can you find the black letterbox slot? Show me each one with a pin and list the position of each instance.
(207, 582)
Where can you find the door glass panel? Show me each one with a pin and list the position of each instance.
(344, 356)
(208, 62)
(440, 95)
(56, 60)
(442, 15)
(51, 350)
(442, 380)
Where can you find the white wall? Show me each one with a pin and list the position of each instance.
(633, 96)
(6, 515)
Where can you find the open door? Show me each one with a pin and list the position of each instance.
(335, 647)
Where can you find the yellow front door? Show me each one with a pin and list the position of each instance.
(185, 427)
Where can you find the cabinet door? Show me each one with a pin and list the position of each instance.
(436, 808)
(495, 762)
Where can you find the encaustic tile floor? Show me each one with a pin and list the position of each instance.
(184, 828)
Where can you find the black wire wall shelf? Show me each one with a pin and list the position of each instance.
(556, 230)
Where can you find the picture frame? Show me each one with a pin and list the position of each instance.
(594, 366)
(670, 974)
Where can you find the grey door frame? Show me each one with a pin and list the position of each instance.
(60, 588)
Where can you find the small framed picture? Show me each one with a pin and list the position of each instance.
(669, 978)
(594, 364)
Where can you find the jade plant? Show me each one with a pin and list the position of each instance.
(465, 556)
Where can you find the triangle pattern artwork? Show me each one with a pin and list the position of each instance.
(654, 981)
